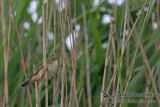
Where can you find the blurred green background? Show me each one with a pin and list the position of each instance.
(29, 20)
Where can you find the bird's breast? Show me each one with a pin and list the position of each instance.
(52, 68)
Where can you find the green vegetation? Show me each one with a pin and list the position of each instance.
(106, 67)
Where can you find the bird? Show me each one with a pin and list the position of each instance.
(51, 63)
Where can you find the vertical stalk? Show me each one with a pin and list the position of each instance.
(44, 58)
(46, 24)
(54, 47)
(54, 27)
(87, 58)
(36, 90)
(5, 56)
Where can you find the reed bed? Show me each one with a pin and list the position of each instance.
(105, 49)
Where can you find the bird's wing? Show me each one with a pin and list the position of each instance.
(41, 67)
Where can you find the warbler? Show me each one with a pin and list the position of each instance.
(51, 63)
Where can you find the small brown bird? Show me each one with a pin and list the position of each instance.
(52, 63)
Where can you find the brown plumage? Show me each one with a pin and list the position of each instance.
(52, 63)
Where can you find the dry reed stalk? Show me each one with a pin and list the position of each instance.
(62, 87)
(113, 31)
(87, 58)
(66, 97)
(134, 59)
(114, 86)
(54, 47)
(36, 90)
(63, 58)
(75, 51)
(56, 85)
(54, 27)
(72, 88)
(113, 49)
(9, 32)
(115, 101)
(5, 56)
(127, 53)
(64, 62)
(20, 46)
(115, 70)
(157, 44)
(46, 24)
(106, 63)
(44, 58)
(114, 8)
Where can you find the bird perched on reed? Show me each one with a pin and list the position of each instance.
(51, 63)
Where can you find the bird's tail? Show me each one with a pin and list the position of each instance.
(26, 83)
